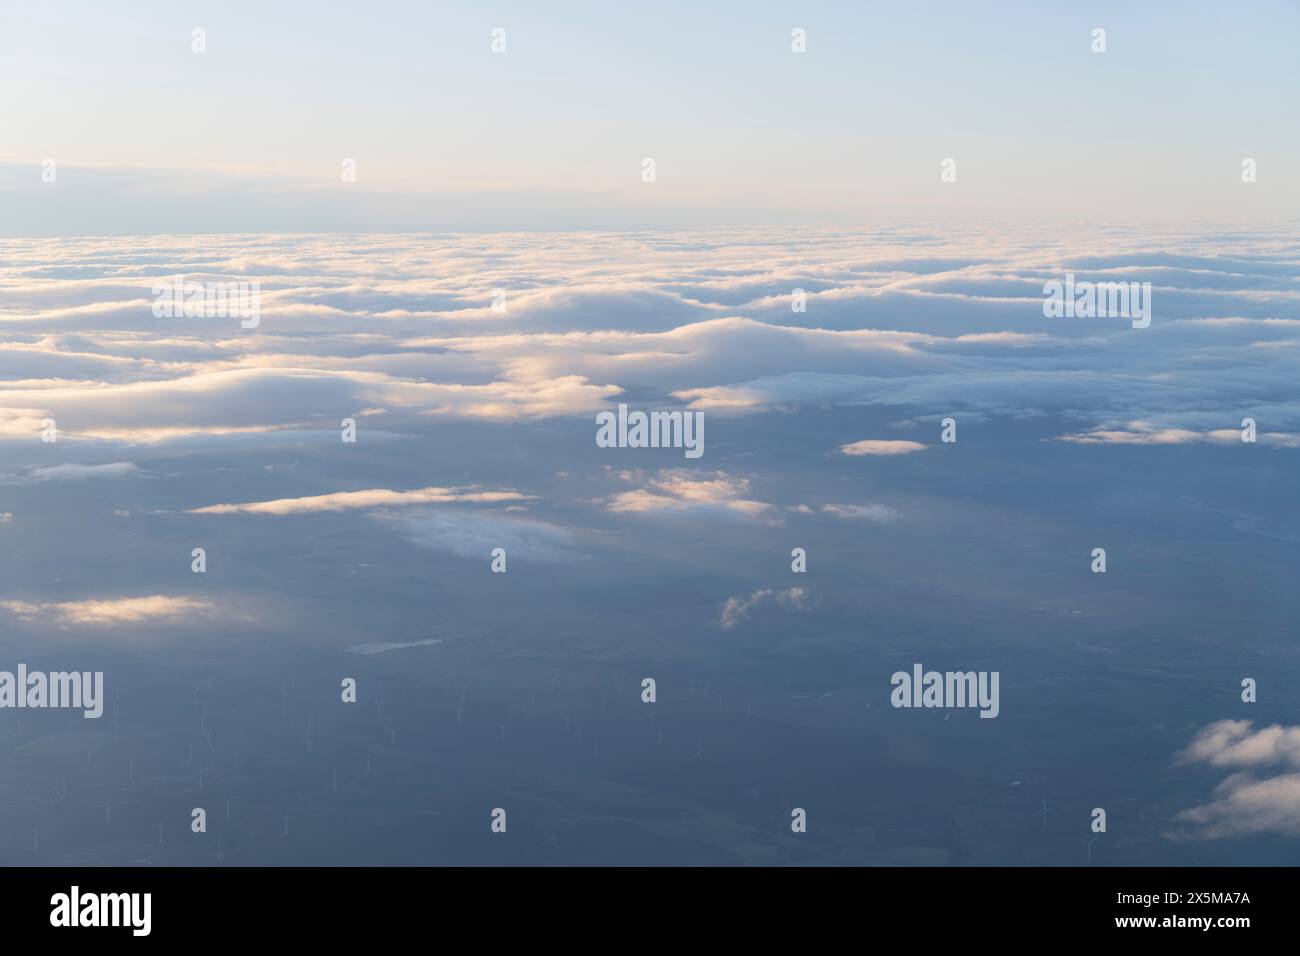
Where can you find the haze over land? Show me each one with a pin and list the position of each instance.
(476, 430)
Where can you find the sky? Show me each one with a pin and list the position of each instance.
(908, 458)
(152, 137)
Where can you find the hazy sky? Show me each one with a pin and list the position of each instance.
(150, 136)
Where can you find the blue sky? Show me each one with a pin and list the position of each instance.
(153, 137)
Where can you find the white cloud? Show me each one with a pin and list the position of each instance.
(73, 472)
(113, 611)
(370, 498)
(1143, 433)
(1244, 806)
(738, 608)
(1232, 743)
(927, 323)
(882, 514)
(682, 490)
(872, 446)
(1245, 803)
(383, 647)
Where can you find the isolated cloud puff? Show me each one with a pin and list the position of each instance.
(1234, 744)
(679, 490)
(739, 607)
(872, 446)
(882, 514)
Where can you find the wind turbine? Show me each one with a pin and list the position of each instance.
(1088, 844)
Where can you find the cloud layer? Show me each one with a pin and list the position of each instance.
(507, 329)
